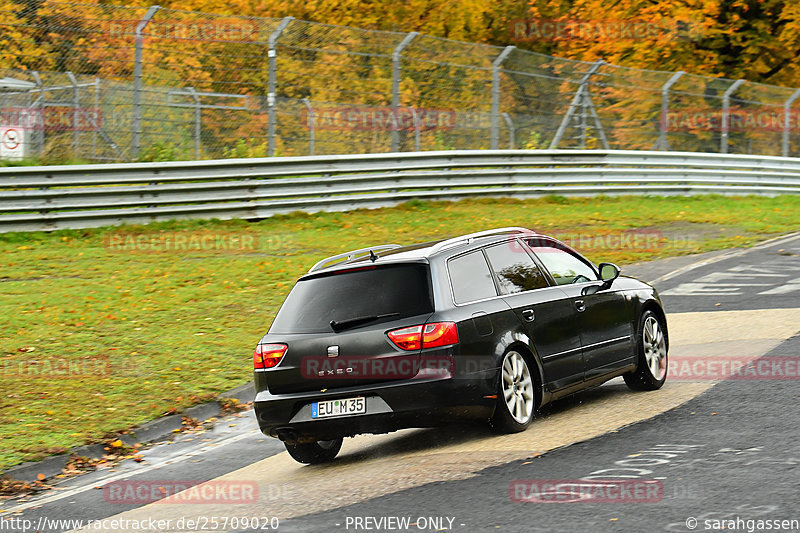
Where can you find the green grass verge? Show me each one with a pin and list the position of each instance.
(98, 336)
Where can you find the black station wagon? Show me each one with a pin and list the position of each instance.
(490, 325)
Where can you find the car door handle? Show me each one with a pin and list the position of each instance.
(528, 315)
(580, 306)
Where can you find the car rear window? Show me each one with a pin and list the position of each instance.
(385, 290)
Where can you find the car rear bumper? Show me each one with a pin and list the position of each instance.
(389, 406)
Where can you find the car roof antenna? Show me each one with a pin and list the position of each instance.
(372, 256)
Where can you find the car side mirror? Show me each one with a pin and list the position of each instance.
(608, 273)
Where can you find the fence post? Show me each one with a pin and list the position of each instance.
(415, 118)
(197, 121)
(312, 127)
(39, 103)
(396, 67)
(662, 143)
(272, 54)
(511, 131)
(787, 109)
(496, 93)
(577, 100)
(76, 102)
(95, 114)
(137, 82)
(726, 115)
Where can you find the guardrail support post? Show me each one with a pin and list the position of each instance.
(498, 61)
(726, 115)
(272, 99)
(137, 82)
(396, 67)
(787, 110)
(312, 127)
(662, 143)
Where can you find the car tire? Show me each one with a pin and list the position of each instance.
(312, 453)
(516, 398)
(651, 355)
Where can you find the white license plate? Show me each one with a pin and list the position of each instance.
(344, 407)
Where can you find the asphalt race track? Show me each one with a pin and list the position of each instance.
(701, 454)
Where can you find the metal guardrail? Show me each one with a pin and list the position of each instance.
(81, 196)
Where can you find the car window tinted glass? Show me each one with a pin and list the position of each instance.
(470, 278)
(564, 267)
(313, 303)
(514, 268)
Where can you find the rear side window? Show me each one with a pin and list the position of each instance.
(470, 278)
(397, 290)
(514, 268)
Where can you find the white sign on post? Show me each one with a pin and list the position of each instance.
(14, 143)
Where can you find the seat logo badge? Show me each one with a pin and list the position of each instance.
(333, 351)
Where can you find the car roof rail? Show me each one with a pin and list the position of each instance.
(349, 256)
(471, 236)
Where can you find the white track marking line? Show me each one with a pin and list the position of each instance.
(116, 477)
(727, 255)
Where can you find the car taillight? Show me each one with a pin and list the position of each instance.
(407, 338)
(439, 334)
(425, 336)
(268, 355)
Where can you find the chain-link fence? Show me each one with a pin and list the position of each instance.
(110, 83)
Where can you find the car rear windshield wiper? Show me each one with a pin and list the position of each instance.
(357, 321)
